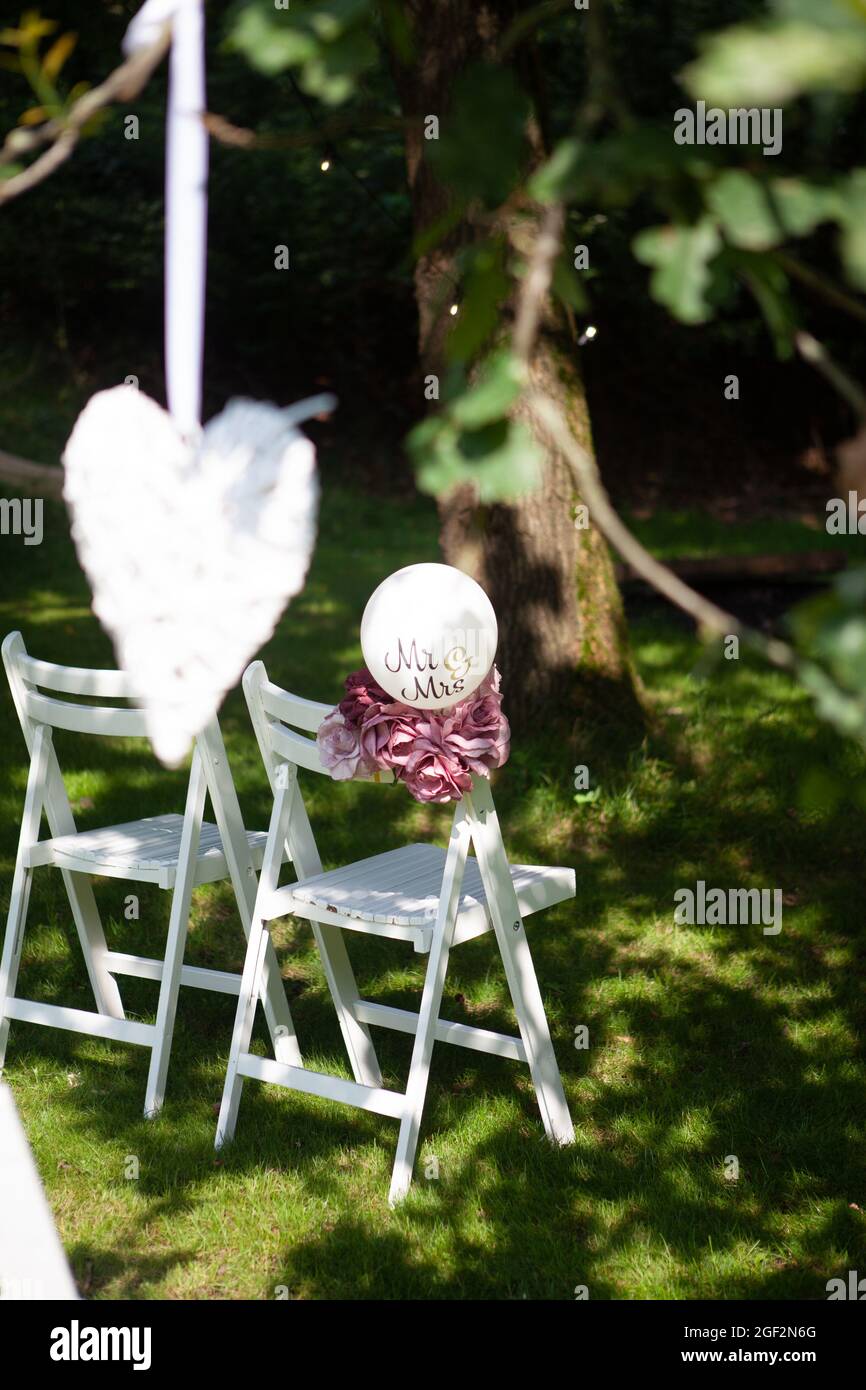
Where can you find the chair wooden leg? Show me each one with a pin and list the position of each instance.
(21, 879)
(176, 943)
(428, 1014)
(519, 970)
(419, 1073)
(332, 948)
(94, 947)
(243, 1031)
(12, 946)
(227, 811)
(344, 992)
(278, 1014)
(532, 1021)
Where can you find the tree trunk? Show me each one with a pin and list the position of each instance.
(563, 648)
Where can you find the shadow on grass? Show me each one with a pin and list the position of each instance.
(705, 1042)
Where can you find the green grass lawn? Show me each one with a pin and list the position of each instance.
(704, 1041)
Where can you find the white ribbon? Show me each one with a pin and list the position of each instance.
(185, 199)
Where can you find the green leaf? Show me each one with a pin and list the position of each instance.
(852, 216)
(398, 30)
(587, 798)
(269, 46)
(482, 141)
(613, 169)
(500, 383)
(500, 459)
(485, 286)
(743, 207)
(438, 463)
(332, 74)
(845, 712)
(828, 14)
(552, 182)
(830, 631)
(770, 64)
(567, 284)
(769, 284)
(801, 206)
(329, 41)
(679, 256)
(505, 462)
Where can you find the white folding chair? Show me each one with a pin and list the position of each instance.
(176, 852)
(428, 896)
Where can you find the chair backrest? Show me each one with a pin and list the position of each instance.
(29, 678)
(277, 716)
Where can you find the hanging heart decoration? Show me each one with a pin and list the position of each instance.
(192, 548)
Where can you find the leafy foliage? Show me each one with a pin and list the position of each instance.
(831, 632)
(483, 142)
(808, 46)
(41, 68)
(473, 439)
(680, 256)
(328, 42)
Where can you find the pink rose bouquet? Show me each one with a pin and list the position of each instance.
(435, 752)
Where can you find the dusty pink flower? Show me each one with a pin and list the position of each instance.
(339, 746)
(479, 728)
(404, 727)
(490, 746)
(375, 731)
(436, 769)
(434, 752)
(432, 776)
(361, 693)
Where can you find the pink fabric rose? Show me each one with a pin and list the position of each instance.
(436, 769)
(361, 693)
(374, 730)
(431, 777)
(434, 752)
(339, 746)
(396, 733)
(482, 732)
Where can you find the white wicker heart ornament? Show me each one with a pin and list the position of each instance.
(192, 550)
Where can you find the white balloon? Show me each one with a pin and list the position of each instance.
(429, 635)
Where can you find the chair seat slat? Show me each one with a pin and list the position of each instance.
(151, 843)
(408, 883)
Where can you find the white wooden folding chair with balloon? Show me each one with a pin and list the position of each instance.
(426, 711)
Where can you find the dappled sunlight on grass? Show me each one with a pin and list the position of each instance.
(704, 1041)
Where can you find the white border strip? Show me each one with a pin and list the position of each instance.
(32, 1261)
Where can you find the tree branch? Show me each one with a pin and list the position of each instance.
(39, 479)
(62, 134)
(705, 613)
(817, 355)
(241, 137)
(821, 286)
(536, 281)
